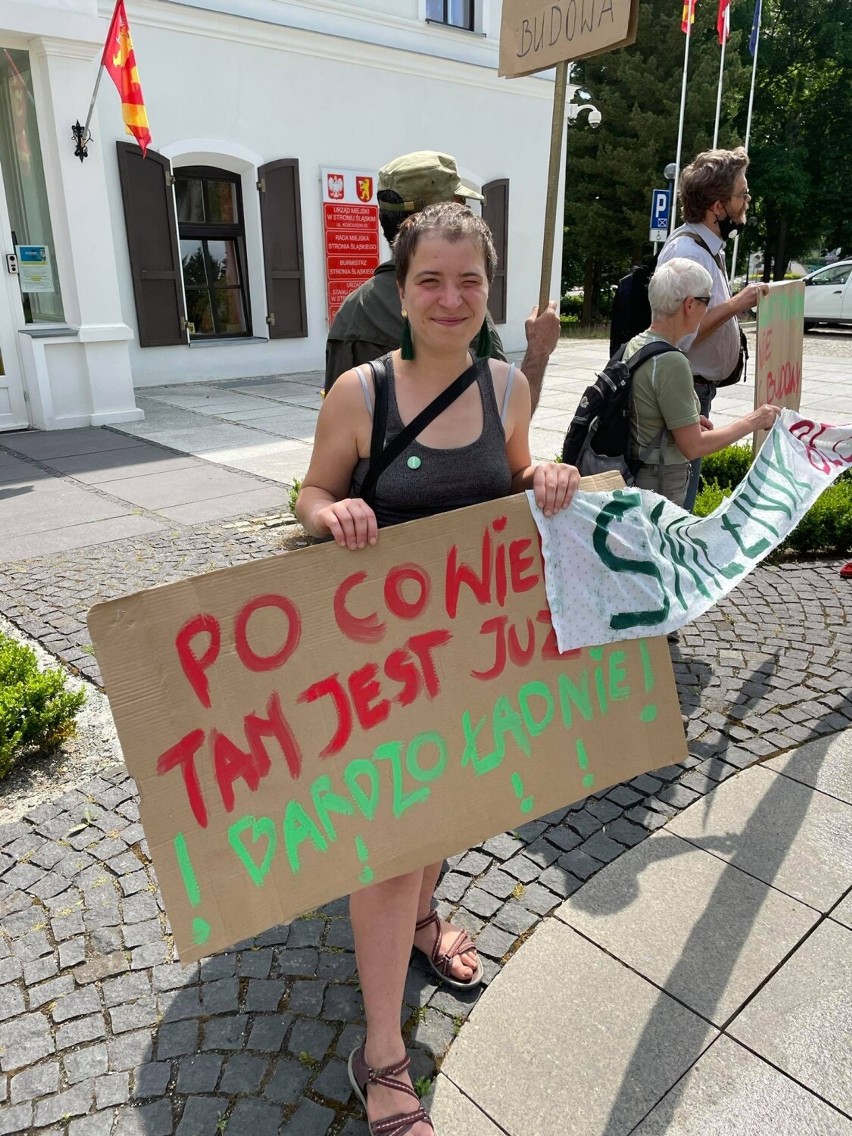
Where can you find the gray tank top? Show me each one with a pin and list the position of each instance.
(423, 481)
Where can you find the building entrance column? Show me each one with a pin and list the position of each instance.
(82, 377)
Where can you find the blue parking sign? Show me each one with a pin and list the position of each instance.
(661, 202)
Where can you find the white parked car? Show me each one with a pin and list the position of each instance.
(828, 294)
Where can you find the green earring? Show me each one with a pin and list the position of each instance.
(484, 342)
(406, 344)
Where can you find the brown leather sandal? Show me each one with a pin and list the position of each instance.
(361, 1076)
(442, 963)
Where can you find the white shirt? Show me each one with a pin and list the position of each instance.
(716, 356)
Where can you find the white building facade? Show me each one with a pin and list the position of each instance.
(207, 259)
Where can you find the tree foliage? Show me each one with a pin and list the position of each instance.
(799, 145)
(802, 129)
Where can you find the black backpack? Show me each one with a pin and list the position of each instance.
(631, 311)
(598, 438)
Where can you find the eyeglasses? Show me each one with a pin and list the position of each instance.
(705, 300)
(745, 196)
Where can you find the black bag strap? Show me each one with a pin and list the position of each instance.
(381, 456)
(380, 422)
(655, 347)
(718, 258)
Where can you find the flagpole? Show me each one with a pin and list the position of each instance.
(81, 133)
(92, 103)
(682, 114)
(748, 124)
(719, 94)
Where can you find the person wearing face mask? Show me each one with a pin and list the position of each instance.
(714, 199)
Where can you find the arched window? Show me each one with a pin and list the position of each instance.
(212, 252)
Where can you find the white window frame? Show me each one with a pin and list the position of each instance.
(479, 21)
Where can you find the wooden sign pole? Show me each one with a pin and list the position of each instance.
(557, 132)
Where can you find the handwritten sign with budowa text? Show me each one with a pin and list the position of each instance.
(304, 725)
(537, 34)
(780, 344)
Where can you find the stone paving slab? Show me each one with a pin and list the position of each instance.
(200, 483)
(825, 765)
(730, 1092)
(53, 503)
(702, 930)
(295, 422)
(44, 444)
(247, 500)
(545, 1052)
(84, 536)
(452, 1111)
(284, 459)
(843, 912)
(790, 836)
(102, 468)
(802, 1020)
(221, 402)
(295, 417)
(203, 439)
(14, 472)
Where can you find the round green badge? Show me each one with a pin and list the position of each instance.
(414, 462)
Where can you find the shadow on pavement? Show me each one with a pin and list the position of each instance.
(778, 811)
(15, 492)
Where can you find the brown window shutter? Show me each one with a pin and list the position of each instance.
(496, 213)
(149, 216)
(283, 259)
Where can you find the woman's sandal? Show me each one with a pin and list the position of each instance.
(361, 1076)
(442, 963)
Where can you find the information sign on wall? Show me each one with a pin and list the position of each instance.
(34, 269)
(351, 231)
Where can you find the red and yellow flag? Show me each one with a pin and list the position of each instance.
(120, 61)
(688, 17)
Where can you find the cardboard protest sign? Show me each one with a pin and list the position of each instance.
(780, 342)
(535, 34)
(303, 725)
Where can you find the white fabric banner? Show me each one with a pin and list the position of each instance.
(628, 563)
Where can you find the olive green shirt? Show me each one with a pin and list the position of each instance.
(369, 324)
(663, 399)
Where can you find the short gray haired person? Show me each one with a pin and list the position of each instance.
(667, 429)
(369, 322)
(714, 198)
(668, 290)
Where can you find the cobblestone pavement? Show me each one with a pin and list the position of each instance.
(103, 1033)
(833, 342)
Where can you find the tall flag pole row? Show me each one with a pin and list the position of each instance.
(119, 61)
(753, 46)
(686, 22)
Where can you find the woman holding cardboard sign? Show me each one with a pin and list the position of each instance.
(396, 441)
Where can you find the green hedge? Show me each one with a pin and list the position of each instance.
(36, 710)
(825, 529)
